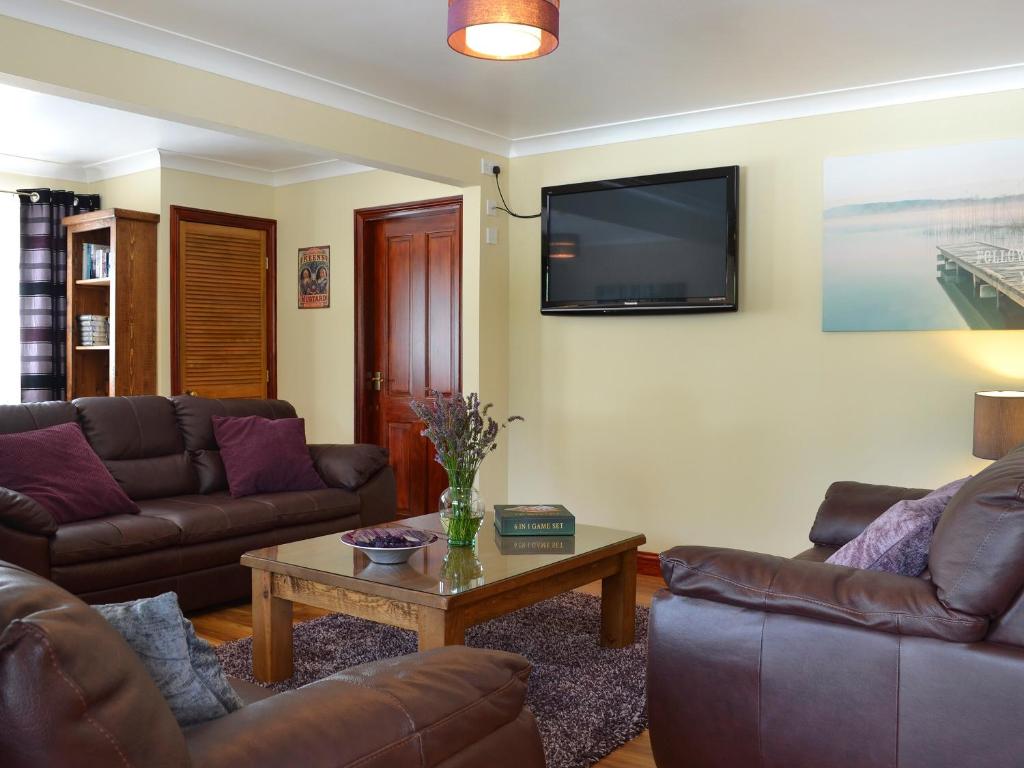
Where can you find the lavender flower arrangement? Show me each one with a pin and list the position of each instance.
(463, 435)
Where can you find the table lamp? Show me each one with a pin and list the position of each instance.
(998, 423)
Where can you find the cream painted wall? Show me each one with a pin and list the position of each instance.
(136, 191)
(316, 348)
(726, 429)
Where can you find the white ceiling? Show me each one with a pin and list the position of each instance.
(53, 136)
(636, 66)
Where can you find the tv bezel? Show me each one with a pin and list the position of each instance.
(730, 173)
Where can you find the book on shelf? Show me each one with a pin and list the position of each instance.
(533, 520)
(95, 261)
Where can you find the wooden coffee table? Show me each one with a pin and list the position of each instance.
(439, 592)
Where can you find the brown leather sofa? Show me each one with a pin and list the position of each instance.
(75, 694)
(191, 532)
(760, 661)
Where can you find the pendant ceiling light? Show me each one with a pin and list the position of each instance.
(503, 30)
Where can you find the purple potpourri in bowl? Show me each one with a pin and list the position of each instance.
(389, 546)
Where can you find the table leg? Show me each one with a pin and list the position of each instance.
(271, 631)
(438, 628)
(618, 603)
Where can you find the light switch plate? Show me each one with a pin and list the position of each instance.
(492, 235)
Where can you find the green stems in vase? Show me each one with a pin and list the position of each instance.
(463, 435)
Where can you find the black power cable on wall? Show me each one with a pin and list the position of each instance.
(504, 206)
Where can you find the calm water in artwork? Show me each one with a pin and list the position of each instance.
(890, 215)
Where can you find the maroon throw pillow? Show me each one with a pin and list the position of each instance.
(58, 469)
(265, 455)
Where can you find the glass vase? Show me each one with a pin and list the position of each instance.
(462, 512)
(461, 571)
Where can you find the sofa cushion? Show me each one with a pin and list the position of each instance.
(28, 416)
(301, 507)
(849, 507)
(899, 539)
(211, 517)
(265, 455)
(194, 421)
(348, 466)
(111, 537)
(183, 666)
(20, 512)
(977, 554)
(56, 468)
(140, 444)
(816, 554)
(140, 427)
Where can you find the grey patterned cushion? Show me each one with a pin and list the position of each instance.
(183, 666)
(898, 540)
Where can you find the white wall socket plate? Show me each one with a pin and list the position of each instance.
(492, 235)
(492, 208)
(486, 167)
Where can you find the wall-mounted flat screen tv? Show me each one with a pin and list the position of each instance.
(648, 244)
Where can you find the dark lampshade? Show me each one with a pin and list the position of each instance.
(503, 30)
(998, 423)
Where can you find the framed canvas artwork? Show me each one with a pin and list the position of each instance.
(925, 239)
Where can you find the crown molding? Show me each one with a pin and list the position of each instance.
(77, 19)
(315, 171)
(46, 169)
(912, 91)
(162, 158)
(110, 28)
(121, 166)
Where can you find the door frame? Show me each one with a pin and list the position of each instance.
(181, 214)
(365, 218)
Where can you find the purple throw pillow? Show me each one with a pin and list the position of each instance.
(58, 469)
(899, 539)
(265, 455)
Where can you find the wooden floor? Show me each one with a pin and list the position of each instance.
(235, 622)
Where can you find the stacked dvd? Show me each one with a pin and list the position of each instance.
(94, 330)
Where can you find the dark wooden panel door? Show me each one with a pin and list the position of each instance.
(409, 306)
(222, 307)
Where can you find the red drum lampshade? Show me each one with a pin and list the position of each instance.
(503, 30)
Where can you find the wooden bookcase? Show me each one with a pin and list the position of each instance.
(128, 296)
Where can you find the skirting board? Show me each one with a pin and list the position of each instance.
(648, 563)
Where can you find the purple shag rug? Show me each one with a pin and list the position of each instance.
(588, 700)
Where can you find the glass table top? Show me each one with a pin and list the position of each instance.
(441, 571)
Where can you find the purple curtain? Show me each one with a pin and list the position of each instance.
(42, 289)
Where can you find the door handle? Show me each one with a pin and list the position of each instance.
(376, 380)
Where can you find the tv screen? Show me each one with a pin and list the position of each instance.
(664, 243)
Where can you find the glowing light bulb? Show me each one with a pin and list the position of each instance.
(503, 41)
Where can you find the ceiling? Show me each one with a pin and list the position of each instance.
(619, 64)
(53, 136)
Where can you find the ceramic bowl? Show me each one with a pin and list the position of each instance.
(388, 546)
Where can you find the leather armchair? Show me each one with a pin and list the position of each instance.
(757, 660)
(74, 693)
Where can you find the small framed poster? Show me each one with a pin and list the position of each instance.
(315, 277)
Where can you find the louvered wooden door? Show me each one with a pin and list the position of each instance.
(223, 299)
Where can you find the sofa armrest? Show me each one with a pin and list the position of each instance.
(348, 466)
(22, 513)
(884, 602)
(849, 507)
(414, 710)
